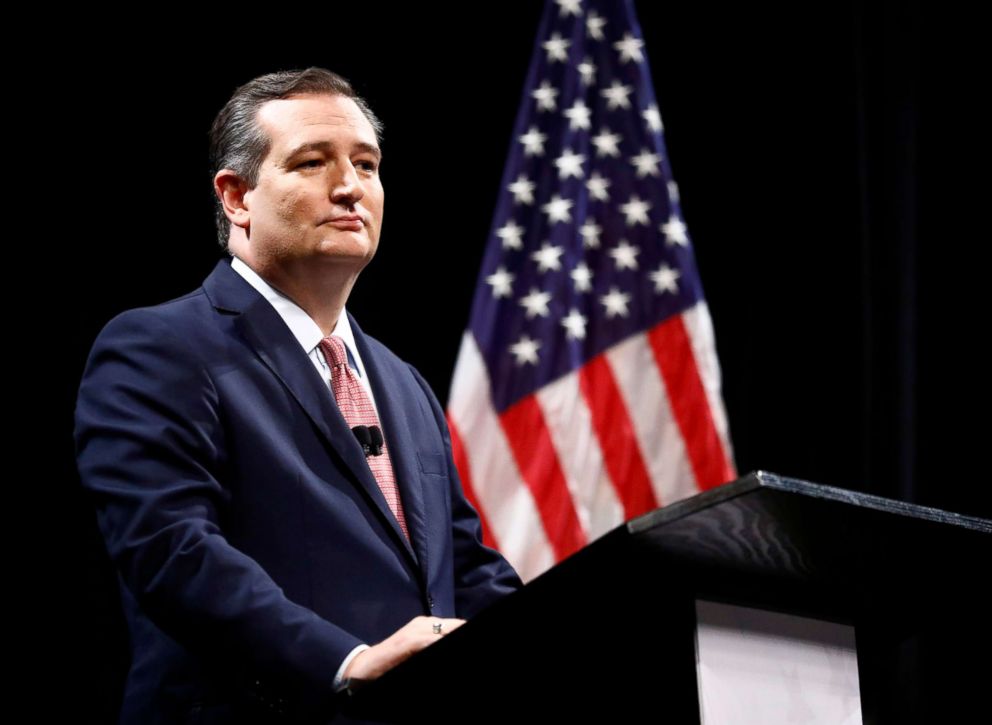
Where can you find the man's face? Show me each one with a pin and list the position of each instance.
(319, 196)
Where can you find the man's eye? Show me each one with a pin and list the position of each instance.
(366, 165)
(310, 163)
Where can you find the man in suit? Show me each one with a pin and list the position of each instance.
(265, 555)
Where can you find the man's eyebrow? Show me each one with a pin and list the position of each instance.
(327, 145)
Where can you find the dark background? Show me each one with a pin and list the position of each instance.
(831, 162)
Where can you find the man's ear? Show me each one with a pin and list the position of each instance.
(233, 193)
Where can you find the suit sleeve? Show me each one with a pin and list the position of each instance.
(482, 575)
(150, 449)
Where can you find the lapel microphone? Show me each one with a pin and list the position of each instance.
(370, 438)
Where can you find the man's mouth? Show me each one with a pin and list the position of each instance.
(352, 222)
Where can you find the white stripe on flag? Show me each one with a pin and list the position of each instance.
(497, 483)
(570, 424)
(658, 434)
(700, 327)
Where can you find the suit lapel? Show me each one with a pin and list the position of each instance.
(394, 404)
(267, 333)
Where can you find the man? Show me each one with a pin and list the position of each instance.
(266, 550)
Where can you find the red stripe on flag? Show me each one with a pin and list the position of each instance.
(461, 463)
(690, 406)
(530, 441)
(617, 439)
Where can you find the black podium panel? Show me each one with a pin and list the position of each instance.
(609, 633)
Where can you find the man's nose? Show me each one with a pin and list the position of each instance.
(346, 187)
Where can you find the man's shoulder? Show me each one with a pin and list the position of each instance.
(184, 314)
(187, 322)
(177, 315)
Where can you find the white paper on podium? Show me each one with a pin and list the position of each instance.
(755, 666)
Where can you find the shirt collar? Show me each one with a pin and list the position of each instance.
(304, 329)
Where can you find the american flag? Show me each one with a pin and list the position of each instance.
(587, 387)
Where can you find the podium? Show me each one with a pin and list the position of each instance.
(614, 632)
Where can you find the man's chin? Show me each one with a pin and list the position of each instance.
(352, 255)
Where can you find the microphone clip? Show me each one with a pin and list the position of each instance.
(370, 438)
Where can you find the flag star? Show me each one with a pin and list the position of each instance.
(598, 187)
(548, 257)
(546, 97)
(675, 231)
(510, 234)
(673, 192)
(594, 26)
(525, 350)
(558, 209)
(582, 277)
(587, 72)
(533, 142)
(629, 48)
(590, 235)
(615, 303)
(570, 164)
(653, 118)
(606, 143)
(625, 255)
(578, 116)
(502, 282)
(522, 190)
(646, 164)
(557, 48)
(616, 95)
(569, 7)
(575, 325)
(666, 279)
(636, 211)
(536, 303)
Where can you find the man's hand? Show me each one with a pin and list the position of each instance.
(404, 642)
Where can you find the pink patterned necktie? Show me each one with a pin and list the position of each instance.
(356, 407)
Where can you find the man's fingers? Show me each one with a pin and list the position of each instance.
(445, 626)
(409, 639)
(436, 626)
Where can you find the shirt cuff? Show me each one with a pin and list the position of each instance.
(339, 677)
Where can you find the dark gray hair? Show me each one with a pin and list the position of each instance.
(238, 143)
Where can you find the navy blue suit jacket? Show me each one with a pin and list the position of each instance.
(254, 547)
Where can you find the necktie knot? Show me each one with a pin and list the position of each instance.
(334, 351)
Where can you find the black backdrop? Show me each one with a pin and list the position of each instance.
(830, 163)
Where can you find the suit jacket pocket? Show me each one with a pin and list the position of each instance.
(431, 463)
